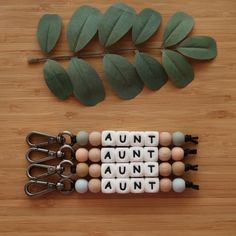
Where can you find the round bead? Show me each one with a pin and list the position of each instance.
(164, 154)
(94, 185)
(178, 185)
(95, 138)
(165, 185)
(165, 139)
(178, 168)
(178, 138)
(82, 138)
(81, 185)
(165, 169)
(81, 155)
(177, 153)
(82, 169)
(95, 154)
(95, 170)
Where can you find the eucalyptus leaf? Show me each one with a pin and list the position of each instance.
(122, 76)
(82, 27)
(198, 47)
(145, 25)
(88, 87)
(48, 32)
(177, 28)
(116, 22)
(57, 79)
(178, 68)
(150, 71)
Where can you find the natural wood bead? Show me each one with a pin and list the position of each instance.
(177, 153)
(94, 185)
(165, 185)
(81, 155)
(164, 154)
(165, 169)
(95, 170)
(178, 168)
(95, 154)
(95, 138)
(82, 169)
(165, 139)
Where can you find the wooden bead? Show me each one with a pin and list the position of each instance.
(165, 185)
(81, 185)
(178, 138)
(82, 138)
(178, 185)
(82, 169)
(81, 155)
(164, 154)
(95, 154)
(178, 168)
(165, 139)
(95, 138)
(177, 153)
(94, 185)
(95, 170)
(165, 169)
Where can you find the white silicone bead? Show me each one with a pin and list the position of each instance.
(151, 185)
(151, 138)
(178, 185)
(137, 139)
(136, 169)
(122, 154)
(122, 185)
(150, 154)
(137, 185)
(151, 169)
(136, 154)
(122, 138)
(108, 138)
(108, 155)
(108, 170)
(108, 186)
(122, 170)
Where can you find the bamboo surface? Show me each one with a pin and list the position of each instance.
(207, 107)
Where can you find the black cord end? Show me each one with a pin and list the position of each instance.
(191, 167)
(190, 151)
(190, 138)
(191, 185)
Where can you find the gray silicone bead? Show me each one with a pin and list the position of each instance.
(178, 138)
(82, 138)
(178, 185)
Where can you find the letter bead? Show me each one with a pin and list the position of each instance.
(151, 169)
(137, 139)
(137, 185)
(108, 138)
(150, 154)
(136, 154)
(151, 185)
(122, 154)
(108, 155)
(108, 186)
(122, 185)
(136, 169)
(151, 138)
(122, 170)
(123, 138)
(108, 170)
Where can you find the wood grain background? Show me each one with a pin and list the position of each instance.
(206, 107)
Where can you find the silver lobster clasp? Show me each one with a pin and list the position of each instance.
(47, 139)
(36, 188)
(65, 169)
(49, 154)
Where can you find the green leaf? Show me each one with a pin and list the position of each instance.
(48, 33)
(88, 87)
(122, 76)
(198, 47)
(82, 27)
(178, 68)
(57, 79)
(145, 25)
(116, 22)
(177, 28)
(150, 71)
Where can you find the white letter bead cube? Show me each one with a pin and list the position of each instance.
(136, 154)
(151, 169)
(137, 139)
(122, 185)
(151, 185)
(108, 186)
(122, 170)
(137, 185)
(122, 154)
(151, 139)
(108, 170)
(108, 155)
(150, 154)
(108, 138)
(122, 138)
(136, 169)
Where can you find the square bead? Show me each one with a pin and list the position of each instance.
(151, 185)
(122, 154)
(108, 155)
(136, 154)
(151, 169)
(136, 169)
(151, 139)
(122, 138)
(123, 185)
(137, 139)
(108, 186)
(108, 170)
(122, 170)
(137, 185)
(108, 138)
(150, 154)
